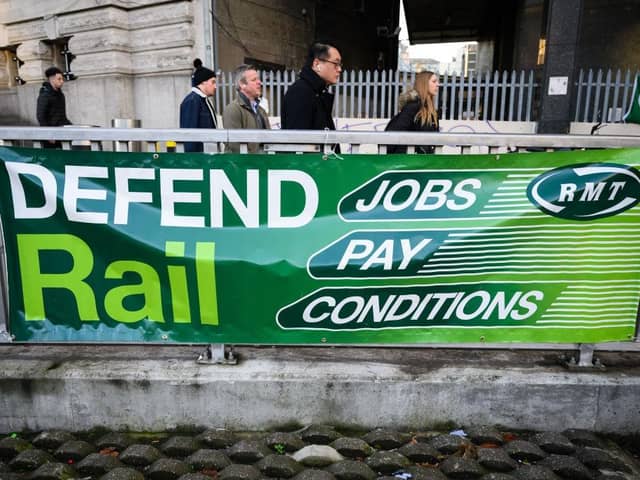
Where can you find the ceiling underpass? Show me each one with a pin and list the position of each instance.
(431, 21)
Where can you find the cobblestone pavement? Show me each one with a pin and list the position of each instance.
(318, 452)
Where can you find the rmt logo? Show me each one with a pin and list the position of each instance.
(587, 191)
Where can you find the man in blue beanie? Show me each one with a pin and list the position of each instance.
(197, 110)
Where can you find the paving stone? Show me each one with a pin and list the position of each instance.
(217, 438)
(10, 447)
(52, 439)
(285, 441)
(117, 440)
(425, 473)
(74, 450)
(167, 469)
(11, 476)
(461, 468)
(352, 447)
(29, 460)
(195, 476)
(240, 472)
(601, 460)
(534, 472)
(425, 437)
(448, 444)
(386, 439)
(248, 451)
(140, 455)
(420, 452)
(582, 438)
(279, 466)
(317, 455)
(496, 459)
(208, 459)
(484, 435)
(553, 442)
(351, 470)
(567, 467)
(496, 476)
(314, 474)
(96, 464)
(387, 462)
(53, 471)
(123, 473)
(524, 451)
(180, 446)
(319, 434)
(611, 476)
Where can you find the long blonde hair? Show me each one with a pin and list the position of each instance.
(427, 113)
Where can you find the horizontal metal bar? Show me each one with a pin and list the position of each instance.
(631, 346)
(319, 137)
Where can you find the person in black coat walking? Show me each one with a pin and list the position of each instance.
(308, 104)
(51, 109)
(417, 112)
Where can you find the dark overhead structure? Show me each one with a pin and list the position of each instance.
(431, 21)
(554, 37)
(483, 21)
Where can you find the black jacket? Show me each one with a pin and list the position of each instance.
(51, 110)
(405, 121)
(308, 104)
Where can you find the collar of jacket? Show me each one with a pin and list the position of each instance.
(407, 97)
(312, 78)
(244, 101)
(47, 86)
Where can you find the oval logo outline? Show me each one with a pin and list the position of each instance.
(566, 193)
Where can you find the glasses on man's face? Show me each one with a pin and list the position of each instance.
(335, 64)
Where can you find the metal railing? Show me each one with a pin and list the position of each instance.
(302, 140)
(603, 95)
(374, 94)
(299, 140)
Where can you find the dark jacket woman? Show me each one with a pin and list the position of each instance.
(308, 104)
(416, 112)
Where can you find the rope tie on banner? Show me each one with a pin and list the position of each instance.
(332, 151)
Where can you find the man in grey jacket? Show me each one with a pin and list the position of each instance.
(244, 111)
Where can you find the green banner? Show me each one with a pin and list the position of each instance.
(308, 249)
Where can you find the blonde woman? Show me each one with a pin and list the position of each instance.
(417, 111)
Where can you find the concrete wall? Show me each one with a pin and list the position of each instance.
(271, 31)
(609, 34)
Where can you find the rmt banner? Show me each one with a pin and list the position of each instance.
(309, 249)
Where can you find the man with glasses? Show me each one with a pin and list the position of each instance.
(308, 104)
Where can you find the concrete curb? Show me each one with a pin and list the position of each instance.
(125, 389)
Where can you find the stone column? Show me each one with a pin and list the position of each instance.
(562, 32)
(37, 57)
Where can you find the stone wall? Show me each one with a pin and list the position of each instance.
(134, 59)
(131, 60)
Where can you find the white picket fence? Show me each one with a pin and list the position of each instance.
(507, 96)
(504, 96)
(603, 95)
